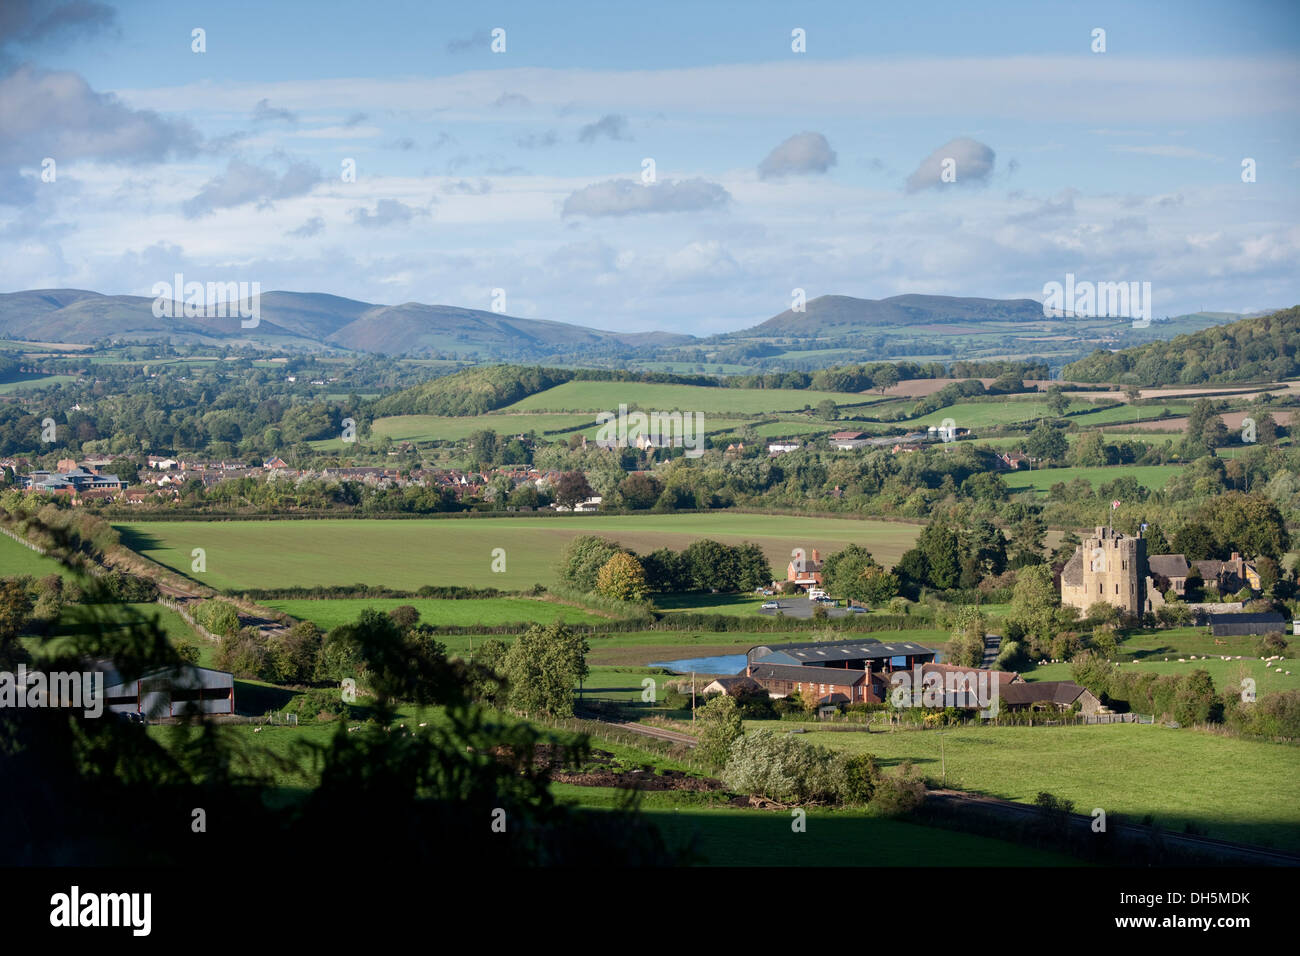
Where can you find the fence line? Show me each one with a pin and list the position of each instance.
(879, 724)
(188, 618)
(21, 540)
(86, 564)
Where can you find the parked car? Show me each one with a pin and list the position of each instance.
(858, 610)
(772, 606)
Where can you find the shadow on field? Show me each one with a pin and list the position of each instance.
(138, 541)
(257, 699)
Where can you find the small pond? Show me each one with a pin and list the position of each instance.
(725, 664)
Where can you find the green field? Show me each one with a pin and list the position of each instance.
(1149, 476)
(601, 396)
(1224, 673)
(635, 649)
(77, 618)
(793, 426)
(739, 837)
(1010, 410)
(451, 428)
(410, 554)
(1232, 789)
(426, 428)
(485, 612)
(623, 683)
(721, 836)
(16, 559)
(1131, 413)
(1112, 437)
(732, 605)
(35, 381)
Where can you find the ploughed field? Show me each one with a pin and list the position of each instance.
(408, 554)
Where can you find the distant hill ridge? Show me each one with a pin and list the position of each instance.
(314, 321)
(840, 313)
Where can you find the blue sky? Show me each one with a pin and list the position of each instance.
(522, 170)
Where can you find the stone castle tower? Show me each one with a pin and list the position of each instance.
(1108, 566)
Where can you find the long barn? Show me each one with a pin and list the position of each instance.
(861, 655)
(834, 671)
(170, 693)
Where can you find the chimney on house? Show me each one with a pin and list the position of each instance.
(816, 557)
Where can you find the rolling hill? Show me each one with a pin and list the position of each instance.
(311, 321)
(842, 314)
(834, 329)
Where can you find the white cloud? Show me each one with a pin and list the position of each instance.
(388, 212)
(611, 126)
(625, 197)
(244, 182)
(56, 113)
(802, 153)
(970, 162)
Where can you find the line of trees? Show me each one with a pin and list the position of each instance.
(592, 563)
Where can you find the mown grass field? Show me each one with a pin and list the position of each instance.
(427, 428)
(34, 381)
(1224, 673)
(16, 559)
(788, 427)
(1130, 413)
(411, 554)
(602, 396)
(485, 612)
(1111, 436)
(451, 428)
(1154, 477)
(1229, 788)
(1009, 410)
